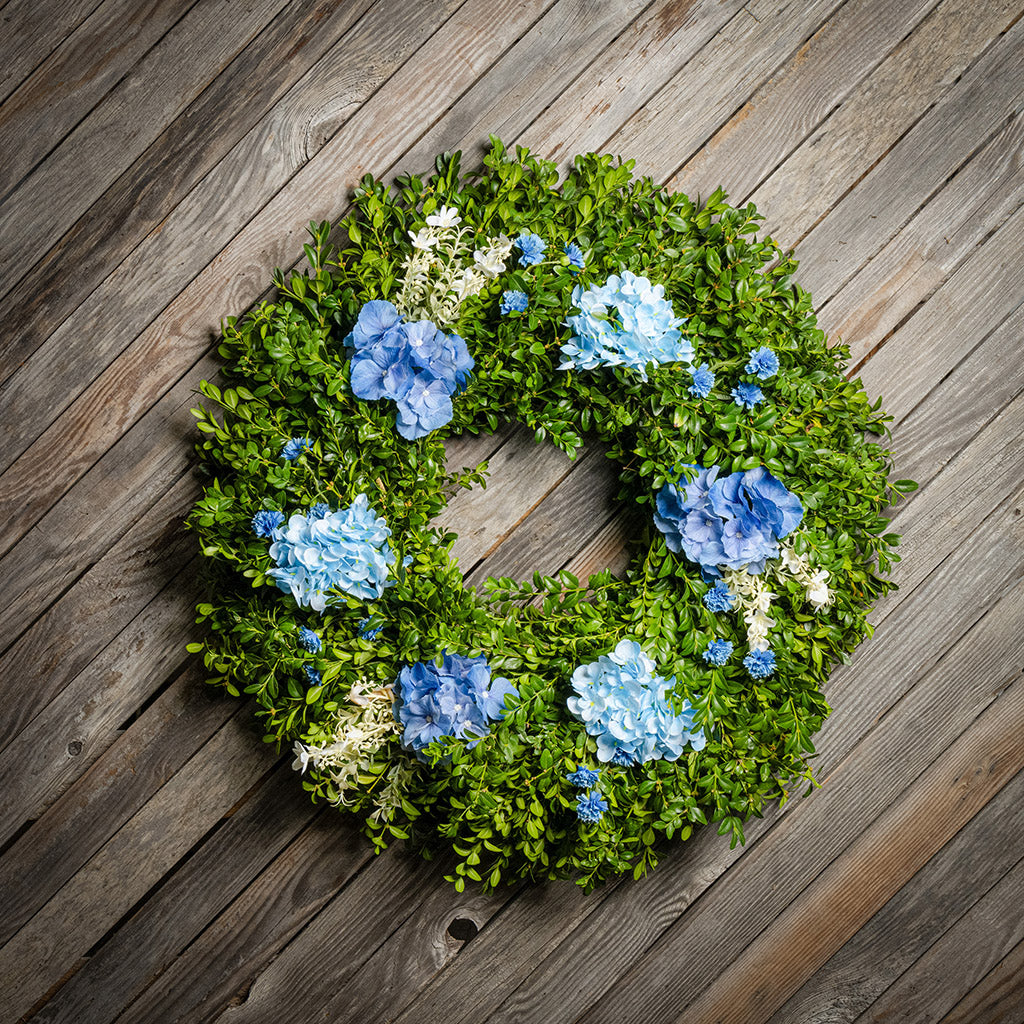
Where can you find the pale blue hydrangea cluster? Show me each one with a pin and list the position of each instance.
(732, 522)
(458, 698)
(627, 321)
(346, 550)
(624, 705)
(413, 363)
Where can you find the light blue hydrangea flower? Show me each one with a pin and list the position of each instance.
(590, 807)
(575, 256)
(719, 598)
(747, 395)
(583, 778)
(763, 362)
(458, 698)
(627, 321)
(624, 705)
(310, 640)
(703, 381)
(513, 301)
(734, 522)
(295, 447)
(266, 521)
(414, 364)
(531, 248)
(346, 550)
(760, 664)
(718, 652)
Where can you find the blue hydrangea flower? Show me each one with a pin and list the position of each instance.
(574, 254)
(413, 364)
(320, 509)
(764, 362)
(747, 395)
(703, 381)
(625, 707)
(295, 447)
(312, 676)
(458, 698)
(368, 631)
(531, 248)
(514, 301)
(266, 521)
(719, 598)
(627, 321)
(590, 807)
(718, 652)
(583, 778)
(346, 550)
(733, 522)
(760, 664)
(310, 640)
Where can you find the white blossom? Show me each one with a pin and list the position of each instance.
(446, 217)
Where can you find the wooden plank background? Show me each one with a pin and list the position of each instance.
(158, 158)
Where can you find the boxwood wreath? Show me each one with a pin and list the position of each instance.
(553, 727)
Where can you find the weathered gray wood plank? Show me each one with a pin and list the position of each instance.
(116, 131)
(996, 998)
(265, 827)
(128, 865)
(33, 30)
(144, 196)
(834, 62)
(919, 74)
(950, 970)
(65, 87)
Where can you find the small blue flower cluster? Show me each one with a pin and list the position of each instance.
(310, 640)
(295, 447)
(575, 256)
(414, 364)
(266, 521)
(589, 805)
(760, 664)
(719, 598)
(346, 550)
(643, 328)
(513, 302)
(531, 248)
(703, 381)
(718, 652)
(735, 521)
(763, 363)
(458, 698)
(623, 705)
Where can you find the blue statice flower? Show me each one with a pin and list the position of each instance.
(747, 395)
(760, 664)
(346, 550)
(368, 631)
(718, 652)
(575, 255)
(583, 778)
(266, 521)
(703, 381)
(320, 509)
(625, 707)
(310, 640)
(413, 364)
(590, 807)
(312, 676)
(719, 598)
(764, 362)
(531, 248)
(734, 522)
(458, 698)
(295, 447)
(627, 321)
(514, 301)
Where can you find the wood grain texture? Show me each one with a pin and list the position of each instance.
(163, 864)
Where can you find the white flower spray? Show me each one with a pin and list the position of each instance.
(359, 731)
(437, 276)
